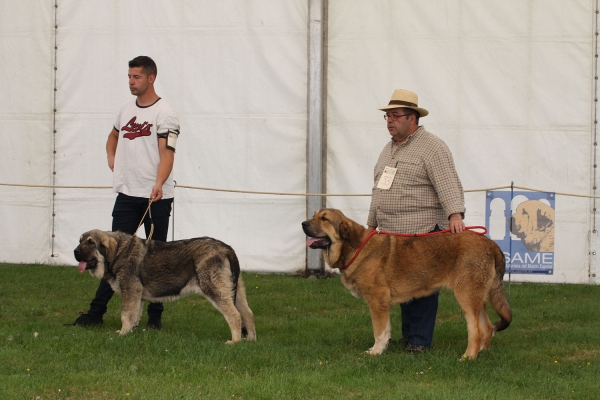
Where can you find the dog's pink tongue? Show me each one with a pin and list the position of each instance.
(311, 241)
(82, 266)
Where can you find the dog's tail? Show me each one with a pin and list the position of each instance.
(234, 267)
(497, 296)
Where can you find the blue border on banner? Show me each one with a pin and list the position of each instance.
(499, 206)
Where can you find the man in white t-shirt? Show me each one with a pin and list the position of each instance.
(141, 151)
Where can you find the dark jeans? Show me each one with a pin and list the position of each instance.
(418, 317)
(127, 214)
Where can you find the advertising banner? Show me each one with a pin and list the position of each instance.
(522, 223)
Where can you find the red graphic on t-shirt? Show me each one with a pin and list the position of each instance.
(136, 130)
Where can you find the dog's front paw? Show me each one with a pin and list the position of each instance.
(379, 347)
(374, 352)
(124, 332)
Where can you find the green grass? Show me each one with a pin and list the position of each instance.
(312, 335)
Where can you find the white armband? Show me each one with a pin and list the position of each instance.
(172, 136)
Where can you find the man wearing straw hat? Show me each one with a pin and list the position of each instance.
(141, 152)
(416, 190)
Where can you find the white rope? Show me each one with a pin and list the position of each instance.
(291, 194)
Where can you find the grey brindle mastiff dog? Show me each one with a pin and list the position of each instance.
(162, 271)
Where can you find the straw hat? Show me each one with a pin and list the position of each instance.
(405, 99)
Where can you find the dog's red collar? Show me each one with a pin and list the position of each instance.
(375, 232)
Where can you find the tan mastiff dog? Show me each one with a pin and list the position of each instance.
(390, 270)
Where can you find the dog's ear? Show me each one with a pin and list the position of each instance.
(110, 244)
(544, 220)
(348, 234)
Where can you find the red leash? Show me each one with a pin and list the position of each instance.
(468, 228)
(375, 232)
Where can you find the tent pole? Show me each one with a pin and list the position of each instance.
(316, 143)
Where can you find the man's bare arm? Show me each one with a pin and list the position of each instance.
(165, 166)
(111, 148)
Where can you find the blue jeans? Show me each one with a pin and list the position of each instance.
(127, 215)
(418, 317)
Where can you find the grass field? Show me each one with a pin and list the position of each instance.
(312, 335)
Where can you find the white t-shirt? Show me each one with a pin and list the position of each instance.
(137, 156)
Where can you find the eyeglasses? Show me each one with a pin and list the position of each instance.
(393, 117)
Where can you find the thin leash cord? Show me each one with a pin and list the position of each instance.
(149, 212)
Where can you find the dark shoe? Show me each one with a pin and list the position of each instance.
(415, 348)
(88, 320)
(154, 323)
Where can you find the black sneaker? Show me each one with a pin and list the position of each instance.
(402, 341)
(415, 348)
(154, 323)
(88, 320)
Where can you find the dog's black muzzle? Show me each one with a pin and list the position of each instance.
(305, 227)
(77, 254)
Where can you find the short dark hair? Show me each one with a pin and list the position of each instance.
(413, 112)
(148, 65)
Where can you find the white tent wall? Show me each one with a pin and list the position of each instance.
(509, 85)
(26, 115)
(236, 73)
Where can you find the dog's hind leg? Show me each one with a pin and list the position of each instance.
(471, 303)
(223, 302)
(472, 315)
(241, 304)
(233, 318)
(379, 306)
(487, 329)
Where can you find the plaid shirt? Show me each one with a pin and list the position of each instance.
(426, 188)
